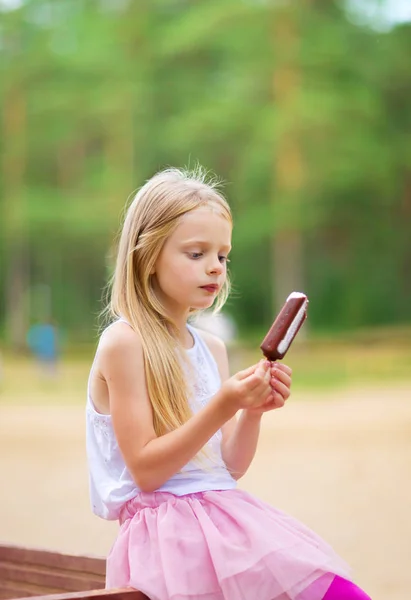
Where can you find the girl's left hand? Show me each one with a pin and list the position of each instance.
(280, 384)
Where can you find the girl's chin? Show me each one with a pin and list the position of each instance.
(206, 303)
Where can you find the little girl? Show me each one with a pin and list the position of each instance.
(164, 444)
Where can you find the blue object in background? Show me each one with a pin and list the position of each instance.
(42, 341)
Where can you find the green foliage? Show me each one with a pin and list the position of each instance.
(96, 96)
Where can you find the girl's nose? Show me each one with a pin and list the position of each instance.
(215, 267)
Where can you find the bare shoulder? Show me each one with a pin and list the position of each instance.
(119, 358)
(119, 350)
(215, 343)
(218, 350)
(119, 336)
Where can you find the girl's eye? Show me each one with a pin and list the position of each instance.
(195, 255)
(223, 259)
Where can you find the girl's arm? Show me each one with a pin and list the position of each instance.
(240, 436)
(152, 460)
(240, 443)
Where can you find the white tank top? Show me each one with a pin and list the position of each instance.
(111, 484)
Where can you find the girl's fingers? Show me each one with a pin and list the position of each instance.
(281, 368)
(278, 401)
(260, 377)
(274, 401)
(282, 376)
(247, 372)
(280, 388)
(266, 398)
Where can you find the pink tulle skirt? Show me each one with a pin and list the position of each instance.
(218, 545)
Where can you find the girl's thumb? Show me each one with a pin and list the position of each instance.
(247, 372)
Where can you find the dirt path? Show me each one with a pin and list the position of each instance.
(340, 462)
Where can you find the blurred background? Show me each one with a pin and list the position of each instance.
(304, 110)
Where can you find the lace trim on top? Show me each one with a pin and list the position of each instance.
(101, 422)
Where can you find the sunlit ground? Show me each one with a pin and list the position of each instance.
(337, 457)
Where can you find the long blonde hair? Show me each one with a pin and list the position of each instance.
(150, 219)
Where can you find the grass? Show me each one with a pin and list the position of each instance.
(23, 383)
(318, 364)
(325, 362)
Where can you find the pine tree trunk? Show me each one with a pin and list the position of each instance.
(15, 233)
(287, 250)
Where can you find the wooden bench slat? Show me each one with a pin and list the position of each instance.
(10, 595)
(43, 575)
(26, 556)
(17, 589)
(47, 578)
(120, 594)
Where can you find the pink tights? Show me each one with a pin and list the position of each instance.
(342, 589)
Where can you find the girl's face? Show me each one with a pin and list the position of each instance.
(191, 267)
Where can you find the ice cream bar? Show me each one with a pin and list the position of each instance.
(285, 327)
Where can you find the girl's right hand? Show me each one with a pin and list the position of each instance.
(249, 388)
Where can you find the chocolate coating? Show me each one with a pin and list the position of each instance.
(281, 325)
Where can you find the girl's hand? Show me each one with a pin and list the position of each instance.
(250, 388)
(280, 389)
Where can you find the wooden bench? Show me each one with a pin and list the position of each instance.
(26, 572)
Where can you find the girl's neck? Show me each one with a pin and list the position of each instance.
(179, 317)
(181, 332)
(184, 336)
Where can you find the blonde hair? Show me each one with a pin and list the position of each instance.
(150, 219)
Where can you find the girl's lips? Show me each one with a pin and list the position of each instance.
(210, 288)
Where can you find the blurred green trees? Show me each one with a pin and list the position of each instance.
(304, 113)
